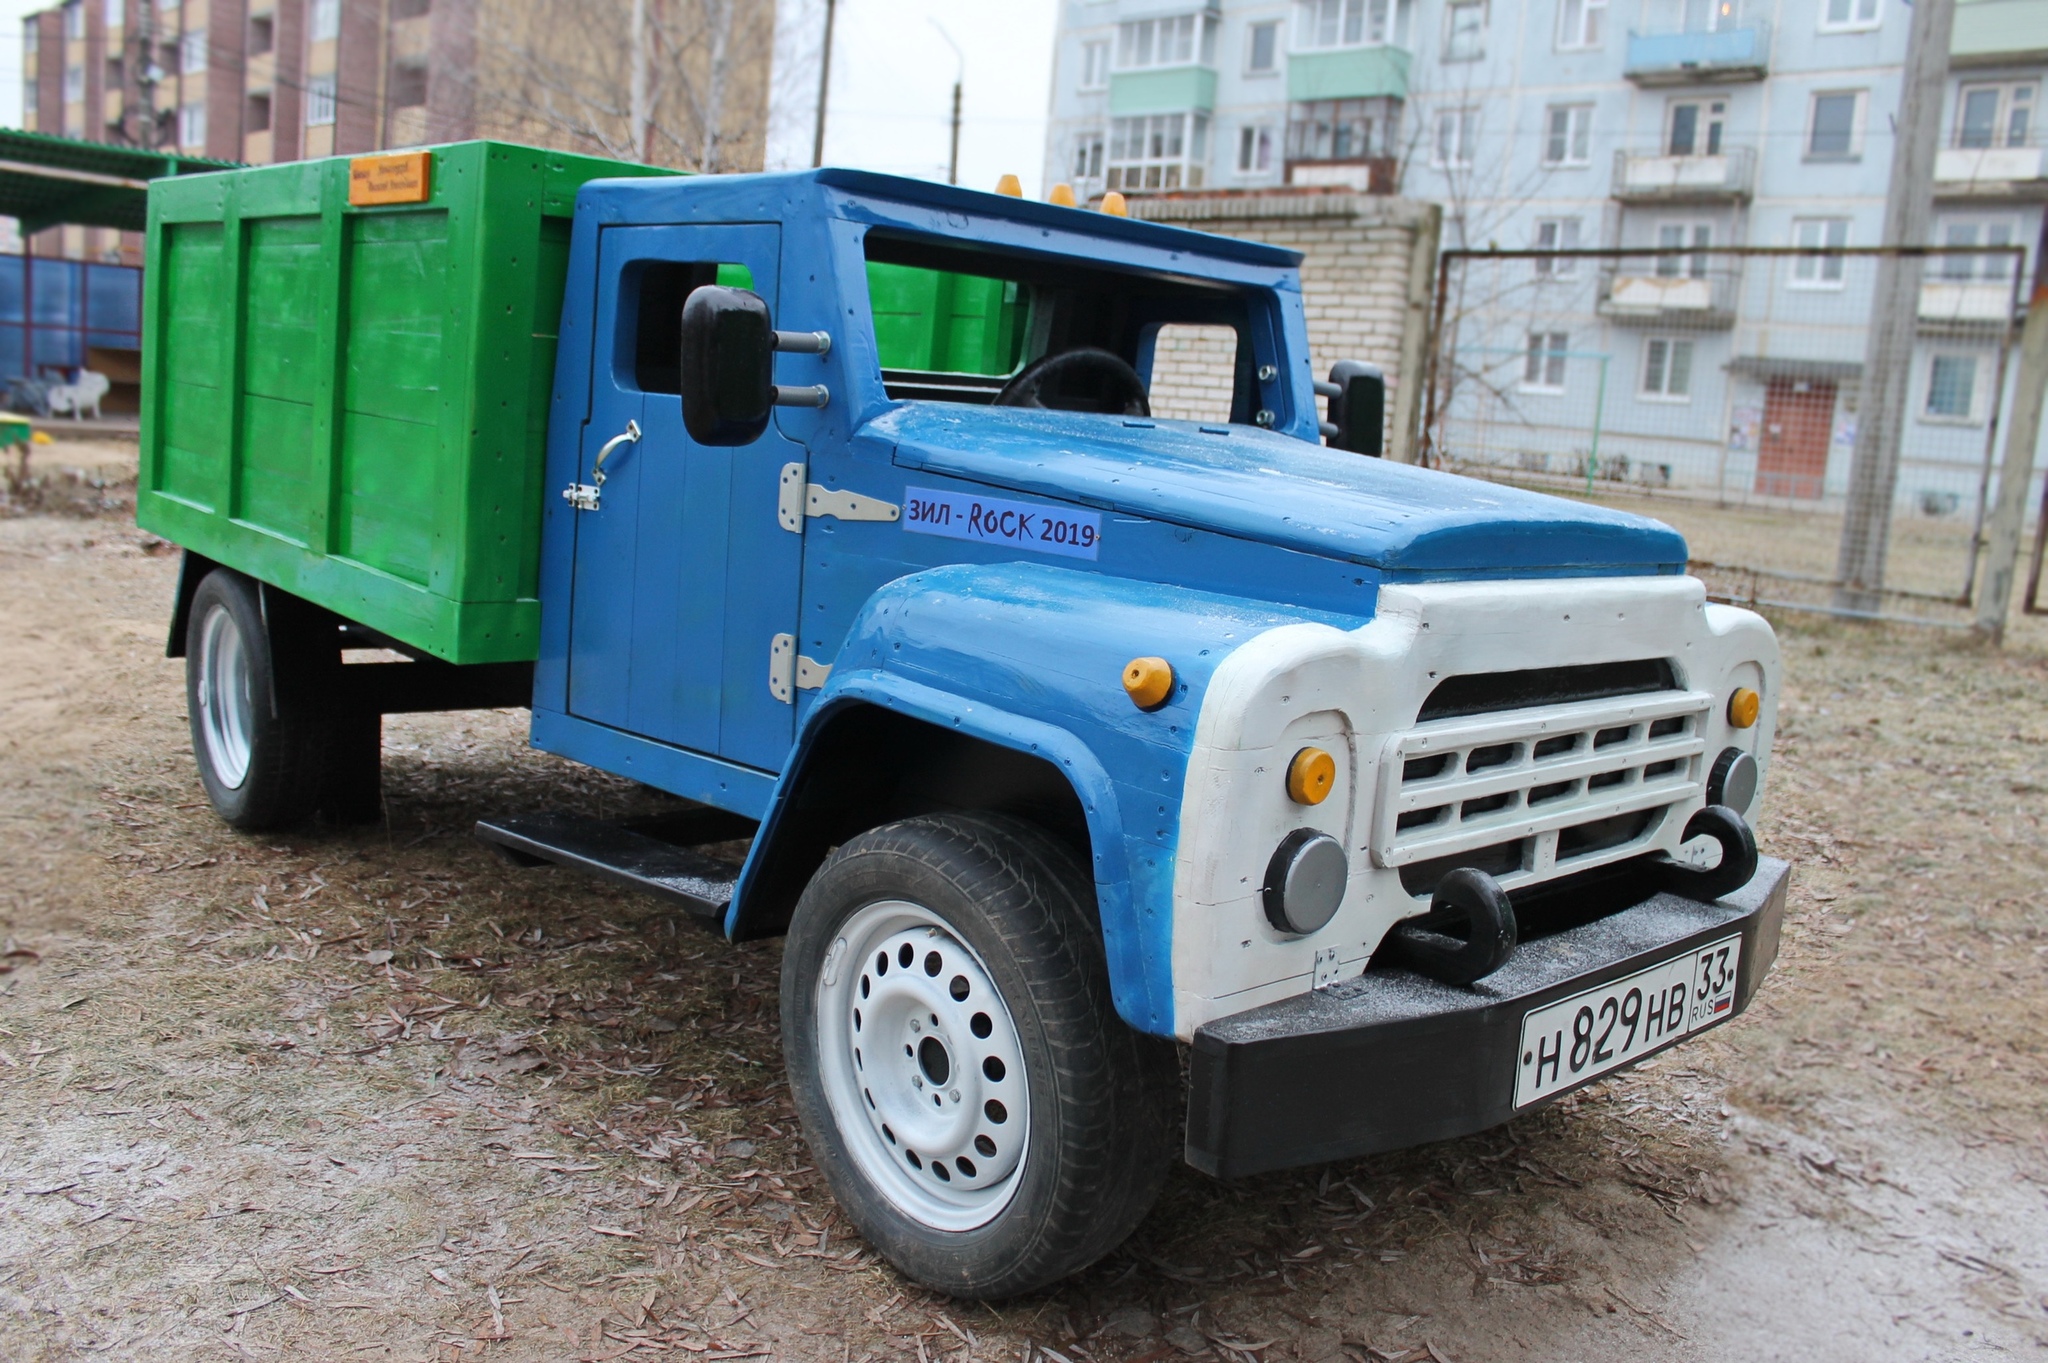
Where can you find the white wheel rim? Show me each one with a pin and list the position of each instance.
(922, 1067)
(224, 700)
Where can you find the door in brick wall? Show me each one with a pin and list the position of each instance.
(1792, 455)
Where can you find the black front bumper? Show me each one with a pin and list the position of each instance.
(1391, 1059)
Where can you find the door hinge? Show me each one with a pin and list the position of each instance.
(1327, 970)
(796, 498)
(790, 672)
(789, 499)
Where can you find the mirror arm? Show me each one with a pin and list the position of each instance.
(817, 343)
(1328, 390)
(802, 395)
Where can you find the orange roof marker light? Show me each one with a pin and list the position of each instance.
(1011, 186)
(1113, 203)
(1063, 195)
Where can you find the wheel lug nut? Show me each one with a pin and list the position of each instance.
(954, 1095)
(916, 1082)
(916, 1026)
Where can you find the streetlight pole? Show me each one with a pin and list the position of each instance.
(824, 87)
(959, 79)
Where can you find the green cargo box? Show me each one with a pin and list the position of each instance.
(350, 402)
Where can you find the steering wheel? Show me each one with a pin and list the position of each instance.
(1125, 390)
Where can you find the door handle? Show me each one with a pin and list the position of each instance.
(585, 496)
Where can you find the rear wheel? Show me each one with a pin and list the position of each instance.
(980, 1111)
(257, 736)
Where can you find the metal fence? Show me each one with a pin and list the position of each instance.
(1718, 388)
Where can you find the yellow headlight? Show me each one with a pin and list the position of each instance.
(1743, 707)
(1149, 682)
(1310, 776)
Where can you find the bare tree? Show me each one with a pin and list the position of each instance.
(668, 82)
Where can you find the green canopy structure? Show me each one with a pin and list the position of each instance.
(47, 181)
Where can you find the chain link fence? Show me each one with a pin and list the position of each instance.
(1721, 389)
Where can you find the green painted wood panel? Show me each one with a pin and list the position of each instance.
(351, 403)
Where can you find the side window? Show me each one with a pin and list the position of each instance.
(1194, 372)
(650, 347)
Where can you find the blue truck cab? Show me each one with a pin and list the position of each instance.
(1125, 786)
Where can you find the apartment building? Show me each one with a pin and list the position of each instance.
(1619, 123)
(277, 80)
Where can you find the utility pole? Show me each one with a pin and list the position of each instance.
(2016, 474)
(636, 83)
(1895, 310)
(959, 79)
(824, 87)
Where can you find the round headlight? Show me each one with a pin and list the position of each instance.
(1305, 881)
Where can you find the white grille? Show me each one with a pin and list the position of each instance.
(1531, 789)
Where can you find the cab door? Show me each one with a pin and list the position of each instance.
(682, 576)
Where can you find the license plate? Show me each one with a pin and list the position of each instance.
(1570, 1041)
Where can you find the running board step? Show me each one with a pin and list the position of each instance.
(621, 852)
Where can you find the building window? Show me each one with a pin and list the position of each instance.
(1543, 367)
(1975, 232)
(1557, 234)
(408, 86)
(409, 9)
(1094, 65)
(1340, 23)
(192, 126)
(1813, 234)
(116, 73)
(1834, 128)
(1693, 127)
(1994, 115)
(74, 19)
(258, 117)
(74, 84)
(115, 12)
(1569, 133)
(1667, 369)
(31, 42)
(1254, 150)
(1180, 41)
(1951, 388)
(1158, 151)
(1456, 130)
(319, 101)
(262, 34)
(1673, 261)
(1838, 16)
(1464, 30)
(326, 22)
(1262, 50)
(192, 52)
(1341, 129)
(1088, 156)
(1579, 23)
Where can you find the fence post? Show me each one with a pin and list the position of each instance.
(2016, 474)
(1895, 311)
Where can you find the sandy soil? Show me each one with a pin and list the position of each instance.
(370, 1093)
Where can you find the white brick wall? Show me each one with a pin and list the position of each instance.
(1367, 271)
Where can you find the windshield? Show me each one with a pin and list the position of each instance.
(973, 325)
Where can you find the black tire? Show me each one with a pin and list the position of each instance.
(1102, 1128)
(258, 735)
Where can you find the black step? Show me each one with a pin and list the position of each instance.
(617, 852)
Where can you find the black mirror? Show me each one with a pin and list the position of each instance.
(1358, 407)
(728, 382)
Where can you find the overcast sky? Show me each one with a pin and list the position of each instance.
(892, 84)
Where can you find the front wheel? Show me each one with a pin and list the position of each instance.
(981, 1113)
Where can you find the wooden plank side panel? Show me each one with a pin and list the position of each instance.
(396, 303)
(282, 317)
(193, 463)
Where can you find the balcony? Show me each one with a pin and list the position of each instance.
(1729, 54)
(1695, 299)
(2012, 173)
(1965, 305)
(1651, 178)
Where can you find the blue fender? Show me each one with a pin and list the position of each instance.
(1030, 657)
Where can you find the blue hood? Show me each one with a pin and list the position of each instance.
(1274, 489)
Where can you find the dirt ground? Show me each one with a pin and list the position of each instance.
(369, 1093)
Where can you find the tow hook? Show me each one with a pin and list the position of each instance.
(1425, 943)
(1738, 856)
